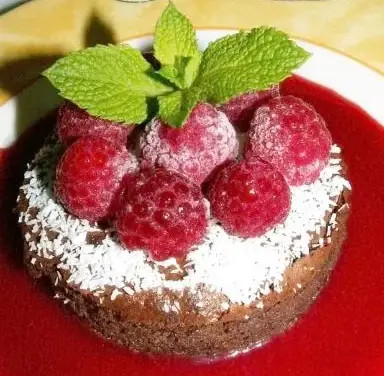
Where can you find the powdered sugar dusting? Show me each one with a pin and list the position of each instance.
(208, 139)
(241, 269)
(291, 135)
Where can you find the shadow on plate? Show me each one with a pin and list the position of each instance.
(24, 71)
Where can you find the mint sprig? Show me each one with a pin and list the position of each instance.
(117, 83)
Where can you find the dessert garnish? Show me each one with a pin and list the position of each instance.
(206, 140)
(291, 135)
(250, 197)
(188, 139)
(162, 212)
(89, 175)
(118, 84)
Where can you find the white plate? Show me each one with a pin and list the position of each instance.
(347, 77)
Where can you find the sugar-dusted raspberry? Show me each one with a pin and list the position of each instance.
(241, 108)
(161, 212)
(89, 175)
(249, 198)
(206, 140)
(74, 122)
(291, 135)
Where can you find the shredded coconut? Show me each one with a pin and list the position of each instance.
(241, 269)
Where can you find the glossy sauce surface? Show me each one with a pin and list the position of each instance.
(341, 335)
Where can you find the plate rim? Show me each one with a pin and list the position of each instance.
(292, 36)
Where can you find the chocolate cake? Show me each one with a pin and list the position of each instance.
(212, 226)
(228, 295)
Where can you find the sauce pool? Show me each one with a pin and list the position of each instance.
(341, 335)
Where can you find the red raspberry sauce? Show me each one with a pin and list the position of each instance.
(341, 335)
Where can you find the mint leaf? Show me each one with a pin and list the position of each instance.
(176, 47)
(113, 82)
(174, 36)
(247, 61)
(175, 108)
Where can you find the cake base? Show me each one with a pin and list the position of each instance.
(235, 331)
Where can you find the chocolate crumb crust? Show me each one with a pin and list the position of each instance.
(136, 322)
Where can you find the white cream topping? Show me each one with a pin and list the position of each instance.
(241, 269)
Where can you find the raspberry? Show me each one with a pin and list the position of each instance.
(73, 123)
(89, 174)
(241, 108)
(161, 212)
(249, 198)
(206, 140)
(291, 135)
